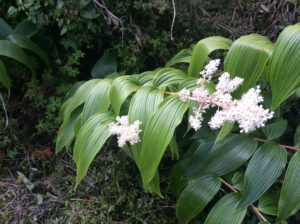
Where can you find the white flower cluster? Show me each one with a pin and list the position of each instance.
(125, 132)
(247, 111)
(210, 69)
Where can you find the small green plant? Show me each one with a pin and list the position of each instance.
(151, 110)
(12, 43)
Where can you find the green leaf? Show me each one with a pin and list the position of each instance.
(183, 56)
(189, 83)
(146, 77)
(66, 131)
(174, 148)
(225, 130)
(238, 181)
(154, 187)
(5, 29)
(4, 78)
(121, 88)
(25, 28)
(158, 134)
(78, 98)
(230, 154)
(264, 168)
(190, 166)
(268, 204)
(197, 194)
(168, 76)
(26, 43)
(275, 130)
(226, 211)
(11, 50)
(97, 101)
(289, 201)
(201, 51)
(143, 104)
(247, 58)
(284, 72)
(106, 65)
(297, 137)
(90, 139)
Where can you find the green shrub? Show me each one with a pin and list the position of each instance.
(157, 103)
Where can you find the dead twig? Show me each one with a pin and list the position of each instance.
(5, 111)
(173, 20)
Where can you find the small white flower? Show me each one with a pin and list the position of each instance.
(125, 132)
(249, 114)
(197, 117)
(219, 119)
(210, 69)
(184, 95)
(247, 111)
(200, 94)
(227, 85)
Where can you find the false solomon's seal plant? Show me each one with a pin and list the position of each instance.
(223, 126)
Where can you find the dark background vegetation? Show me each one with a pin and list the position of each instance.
(75, 34)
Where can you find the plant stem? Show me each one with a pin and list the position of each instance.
(285, 146)
(254, 209)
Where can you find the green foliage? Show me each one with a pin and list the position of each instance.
(287, 46)
(248, 57)
(151, 97)
(11, 46)
(201, 51)
(263, 170)
(197, 194)
(289, 196)
(227, 205)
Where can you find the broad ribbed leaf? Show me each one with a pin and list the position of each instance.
(5, 29)
(183, 56)
(168, 76)
(25, 28)
(66, 133)
(190, 166)
(143, 104)
(158, 134)
(230, 154)
(27, 44)
(146, 77)
(11, 50)
(197, 194)
(268, 204)
(238, 181)
(297, 137)
(247, 58)
(275, 130)
(106, 65)
(78, 98)
(289, 201)
(189, 83)
(174, 148)
(224, 131)
(284, 72)
(154, 187)
(90, 139)
(264, 168)
(4, 78)
(97, 101)
(201, 51)
(226, 211)
(121, 88)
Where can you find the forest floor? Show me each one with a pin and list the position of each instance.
(38, 187)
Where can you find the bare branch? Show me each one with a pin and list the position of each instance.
(173, 20)
(5, 112)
